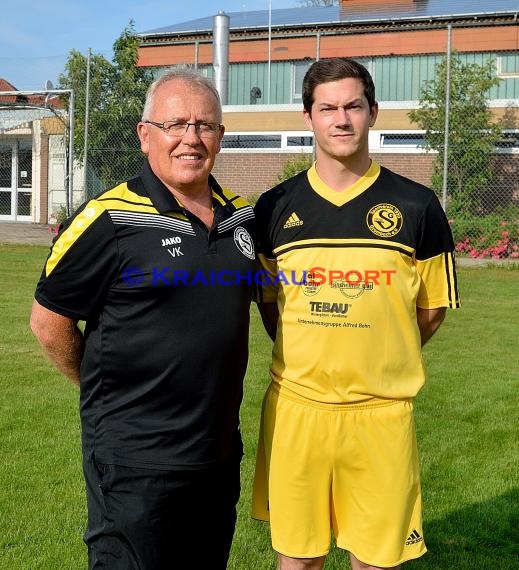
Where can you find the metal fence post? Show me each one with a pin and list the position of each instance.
(447, 113)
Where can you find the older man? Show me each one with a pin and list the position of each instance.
(157, 267)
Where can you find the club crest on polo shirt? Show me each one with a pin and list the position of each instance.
(244, 242)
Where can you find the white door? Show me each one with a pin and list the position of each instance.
(16, 179)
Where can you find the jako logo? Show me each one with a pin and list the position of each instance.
(171, 241)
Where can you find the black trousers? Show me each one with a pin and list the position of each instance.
(141, 519)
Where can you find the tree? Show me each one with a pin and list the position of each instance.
(309, 3)
(295, 165)
(116, 97)
(472, 134)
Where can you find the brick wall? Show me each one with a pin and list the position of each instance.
(417, 167)
(250, 173)
(253, 173)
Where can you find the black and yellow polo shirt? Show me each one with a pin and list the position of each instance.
(348, 270)
(166, 304)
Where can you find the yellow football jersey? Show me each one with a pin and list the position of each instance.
(348, 270)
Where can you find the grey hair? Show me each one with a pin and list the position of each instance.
(182, 73)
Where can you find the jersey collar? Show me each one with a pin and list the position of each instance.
(340, 198)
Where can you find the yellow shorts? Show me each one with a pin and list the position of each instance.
(350, 468)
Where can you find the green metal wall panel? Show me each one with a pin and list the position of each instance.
(397, 78)
(245, 76)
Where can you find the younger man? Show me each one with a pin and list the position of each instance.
(365, 265)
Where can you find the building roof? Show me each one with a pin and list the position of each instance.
(6, 86)
(356, 13)
(36, 99)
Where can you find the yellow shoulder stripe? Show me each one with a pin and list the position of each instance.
(240, 203)
(228, 193)
(122, 198)
(81, 222)
(237, 201)
(121, 205)
(122, 192)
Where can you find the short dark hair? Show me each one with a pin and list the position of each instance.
(334, 69)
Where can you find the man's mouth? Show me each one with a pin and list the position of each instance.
(188, 157)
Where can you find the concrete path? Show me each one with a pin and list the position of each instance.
(25, 233)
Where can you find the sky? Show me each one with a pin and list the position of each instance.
(37, 37)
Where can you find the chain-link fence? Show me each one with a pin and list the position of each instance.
(36, 158)
(466, 149)
(439, 123)
(480, 197)
(116, 160)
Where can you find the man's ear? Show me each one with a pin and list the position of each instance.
(373, 114)
(308, 120)
(144, 135)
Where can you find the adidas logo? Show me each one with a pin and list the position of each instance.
(413, 538)
(293, 221)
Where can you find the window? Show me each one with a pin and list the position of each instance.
(300, 141)
(6, 165)
(508, 65)
(407, 142)
(509, 140)
(251, 141)
(299, 68)
(286, 141)
(24, 164)
(402, 139)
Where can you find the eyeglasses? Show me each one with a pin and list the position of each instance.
(180, 128)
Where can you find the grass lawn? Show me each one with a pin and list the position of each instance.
(467, 419)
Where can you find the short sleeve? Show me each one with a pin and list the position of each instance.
(435, 260)
(82, 264)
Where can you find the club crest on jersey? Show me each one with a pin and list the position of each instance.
(384, 220)
(244, 242)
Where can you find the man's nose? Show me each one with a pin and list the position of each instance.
(342, 116)
(191, 132)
